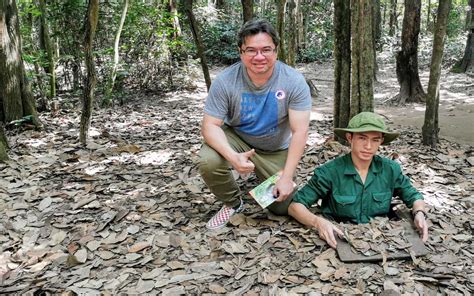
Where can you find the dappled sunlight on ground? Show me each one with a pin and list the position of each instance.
(456, 106)
(34, 143)
(315, 139)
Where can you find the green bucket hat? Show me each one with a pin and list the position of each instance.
(367, 122)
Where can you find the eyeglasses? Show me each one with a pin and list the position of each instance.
(251, 52)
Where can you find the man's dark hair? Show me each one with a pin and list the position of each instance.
(255, 26)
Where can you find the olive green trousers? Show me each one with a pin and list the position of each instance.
(216, 171)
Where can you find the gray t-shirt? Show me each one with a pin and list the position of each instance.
(259, 115)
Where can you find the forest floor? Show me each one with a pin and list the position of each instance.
(127, 213)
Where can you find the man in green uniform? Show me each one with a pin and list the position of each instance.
(357, 186)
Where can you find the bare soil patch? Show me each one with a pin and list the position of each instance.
(456, 110)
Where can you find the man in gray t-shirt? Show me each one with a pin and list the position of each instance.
(256, 119)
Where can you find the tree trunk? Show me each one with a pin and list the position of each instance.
(174, 13)
(300, 25)
(377, 15)
(107, 101)
(362, 57)
(47, 46)
(377, 32)
(188, 7)
(393, 17)
(90, 79)
(306, 21)
(16, 98)
(281, 29)
(43, 102)
(428, 9)
(467, 62)
(3, 145)
(383, 6)
(220, 4)
(342, 62)
(292, 33)
(430, 128)
(411, 90)
(247, 10)
(76, 74)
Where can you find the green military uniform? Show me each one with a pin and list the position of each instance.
(345, 197)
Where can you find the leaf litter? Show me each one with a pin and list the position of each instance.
(127, 214)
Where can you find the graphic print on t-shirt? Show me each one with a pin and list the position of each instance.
(258, 114)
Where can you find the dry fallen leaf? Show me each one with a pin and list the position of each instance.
(81, 255)
(271, 277)
(216, 288)
(139, 247)
(234, 248)
(38, 266)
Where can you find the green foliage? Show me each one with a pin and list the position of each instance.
(320, 35)
(26, 8)
(220, 42)
(155, 54)
(456, 20)
(152, 49)
(219, 31)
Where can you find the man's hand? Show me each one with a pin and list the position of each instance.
(421, 226)
(326, 231)
(283, 188)
(241, 162)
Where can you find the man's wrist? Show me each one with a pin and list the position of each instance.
(283, 176)
(316, 222)
(231, 156)
(420, 211)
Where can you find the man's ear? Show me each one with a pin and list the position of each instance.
(349, 137)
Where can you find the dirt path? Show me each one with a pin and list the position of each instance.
(456, 110)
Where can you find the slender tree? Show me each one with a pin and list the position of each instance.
(376, 32)
(173, 8)
(362, 57)
(113, 73)
(377, 27)
(430, 128)
(393, 18)
(281, 29)
(342, 62)
(467, 62)
(220, 4)
(411, 90)
(47, 46)
(300, 21)
(16, 98)
(90, 79)
(3, 145)
(292, 34)
(428, 13)
(247, 10)
(188, 7)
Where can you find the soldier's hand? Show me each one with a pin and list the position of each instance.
(421, 225)
(328, 231)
